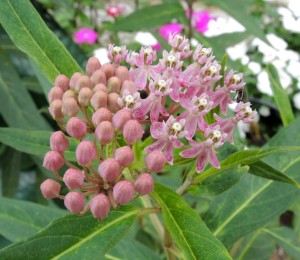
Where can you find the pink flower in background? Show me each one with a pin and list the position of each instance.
(201, 20)
(169, 29)
(114, 10)
(86, 35)
(156, 46)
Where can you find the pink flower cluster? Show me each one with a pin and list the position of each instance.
(85, 35)
(105, 109)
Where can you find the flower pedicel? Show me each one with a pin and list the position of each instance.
(104, 111)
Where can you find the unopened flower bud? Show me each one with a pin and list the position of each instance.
(109, 169)
(86, 153)
(74, 202)
(62, 82)
(112, 103)
(144, 184)
(84, 96)
(122, 73)
(108, 69)
(114, 85)
(53, 161)
(100, 206)
(92, 65)
(73, 178)
(155, 161)
(55, 109)
(69, 93)
(123, 192)
(124, 155)
(50, 189)
(55, 93)
(102, 114)
(100, 87)
(98, 77)
(59, 142)
(74, 79)
(128, 86)
(76, 127)
(120, 118)
(99, 99)
(132, 131)
(70, 107)
(83, 82)
(104, 132)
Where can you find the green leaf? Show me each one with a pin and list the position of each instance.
(280, 96)
(21, 219)
(17, 106)
(149, 17)
(74, 237)
(264, 170)
(187, 228)
(33, 142)
(287, 239)
(30, 34)
(253, 201)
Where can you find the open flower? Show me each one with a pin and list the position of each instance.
(85, 35)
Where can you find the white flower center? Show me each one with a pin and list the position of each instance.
(213, 69)
(171, 58)
(216, 136)
(205, 51)
(148, 51)
(247, 111)
(117, 49)
(236, 78)
(179, 37)
(129, 99)
(177, 127)
(201, 103)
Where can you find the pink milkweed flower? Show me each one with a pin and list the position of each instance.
(196, 108)
(169, 29)
(244, 112)
(85, 35)
(117, 54)
(114, 10)
(234, 81)
(153, 103)
(200, 20)
(130, 101)
(180, 44)
(167, 134)
(205, 151)
(144, 70)
(170, 62)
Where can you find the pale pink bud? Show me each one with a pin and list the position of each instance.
(83, 82)
(55, 109)
(124, 155)
(50, 189)
(70, 107)
(74, 202)
(59, 142)
(99, 99)
(100, 206)
(74, 79)
(144, 184)
(76, 127)
(122, 73)
(128, 86)
(120, 119)
(114, 85)
(98, 77)
(92, 65)
(69, 93)
(109, 169)
(100, 87)
(73, 178)
(62, 82)
(53, 161)
(123, 192)
(132, 131)
(112, 102)
(84, 96)
(104, 132)
(108, 69)
(55, 93)
(155, 161)
(86, 153)
(102, 114)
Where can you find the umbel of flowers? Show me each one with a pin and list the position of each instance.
(104, 111)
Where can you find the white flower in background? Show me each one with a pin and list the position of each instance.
(237, 51)
(294, 69)
(101, 54)
(276, 41)
(245, 60)
(255, 67)
(264, 111)
(294, 6)
(145, 39)
(296, 100)
(263, 83)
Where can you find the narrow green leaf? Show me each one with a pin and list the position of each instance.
(30, 34)
(187, 228)
(149, 17)
(280, 96)
(265, 170)
(33, 142)
(287, 239)
(21, 219)
(74, 237)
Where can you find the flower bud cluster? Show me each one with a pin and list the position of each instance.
(104, 111)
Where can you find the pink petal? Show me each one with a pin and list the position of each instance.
(191, 152)
(154, 112)
(190, 126)
(177, 144)
(158, 145)
(169, 152)
(157, 130)
(213, 158)
(201, 161)
(141, 79)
